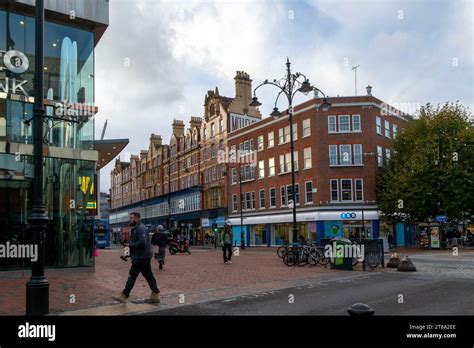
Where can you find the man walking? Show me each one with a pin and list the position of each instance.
(160, 238)
(226, 241)
(140, 253)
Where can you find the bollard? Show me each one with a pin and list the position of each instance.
(360, 310)
(394, 261)
(406, 265)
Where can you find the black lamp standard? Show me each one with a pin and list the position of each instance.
(289, 85)
(37, 288)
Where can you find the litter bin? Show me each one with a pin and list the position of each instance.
(340, 258)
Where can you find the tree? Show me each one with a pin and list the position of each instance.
(431, 170)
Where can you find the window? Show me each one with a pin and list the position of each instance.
(260, 143)
(334, 190)
(235, 206)
(213, 151)
(212, 130)
(394, 131)
(359, 190)
(281, 162)
(284, 135)
(387, 155)
(271, 140)
(379, 156)
(306, 127)
(307, 158)
(272, 193)
(262, 199)
(333, 155)
(345, 154)
(356, 123)
(289, 193)
(253, 199)
(331, 124)
(295, 131)
(282, 196)
(296, 161)
(234, 176)
(261, 169)
(346, 189)
(248, 202)
(357, 153)
(308, 192)
(344, 123)
(271, 166)
(378, 125)
(221, 126)
(387, 129)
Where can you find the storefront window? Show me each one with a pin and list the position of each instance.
(282, 234)
(260, 235)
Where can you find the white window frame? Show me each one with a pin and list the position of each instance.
(295, 131)
(378, 125)
(341, 156)
(306, 192)
(334, 121)
(388, 155)
(270, 197)
(260, 198)
(271, 139)
(213, 131)
(359, 128)
(306, 128)
(331, 190)
(234, 203)
(379, 156)
(387, 129)
(358, 146)
(336, 152)
(306, 158)
(394, 131)
(260, 142)
(361, 190)
(351, 190)
(283, 196)
(339, 117)
(261, 169)
(271, 168)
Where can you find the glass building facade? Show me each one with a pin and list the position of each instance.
(69, 166)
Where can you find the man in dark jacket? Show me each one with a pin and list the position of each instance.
(160, 238)
(140, 253)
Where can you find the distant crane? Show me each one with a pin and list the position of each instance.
(103, 130)
(355, 74)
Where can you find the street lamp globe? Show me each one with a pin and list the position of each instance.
(275, 113)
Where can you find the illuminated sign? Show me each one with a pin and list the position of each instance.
(17, 63)
(348, 215)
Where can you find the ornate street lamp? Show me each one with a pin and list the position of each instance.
(288, 86)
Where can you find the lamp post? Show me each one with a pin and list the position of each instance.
(289, 85)
(37, 288)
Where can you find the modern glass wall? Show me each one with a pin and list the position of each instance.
(68, 183)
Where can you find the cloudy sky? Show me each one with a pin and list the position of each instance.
(157, 59)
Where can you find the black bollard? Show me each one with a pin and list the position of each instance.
(360, 310)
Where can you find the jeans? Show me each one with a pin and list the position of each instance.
(160, 257)
(227, 250)
(142, 266)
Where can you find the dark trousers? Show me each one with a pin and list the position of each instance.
(227, 250)
(142, 266)
(160, 257)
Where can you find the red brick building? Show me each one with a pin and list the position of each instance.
(336, 156)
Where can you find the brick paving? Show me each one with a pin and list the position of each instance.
(199, 277)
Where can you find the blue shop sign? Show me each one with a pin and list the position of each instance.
(348, 215)
(441, 218)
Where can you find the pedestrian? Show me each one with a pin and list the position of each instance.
(226, 241)
(140, 253)
(160, 238)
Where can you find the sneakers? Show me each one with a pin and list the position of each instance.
(121, 298)
(154, 298)
(229, 261)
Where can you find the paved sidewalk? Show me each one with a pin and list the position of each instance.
(201, 276)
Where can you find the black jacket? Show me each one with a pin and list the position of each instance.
(140, 245)
(160, 238)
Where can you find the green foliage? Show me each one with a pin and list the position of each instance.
(431, 168)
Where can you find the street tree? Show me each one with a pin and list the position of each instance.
(431, 170)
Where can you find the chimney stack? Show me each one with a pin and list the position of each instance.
(369, 90)
(155, 139)
(195, 122)
(178, 128)
(243, 86)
